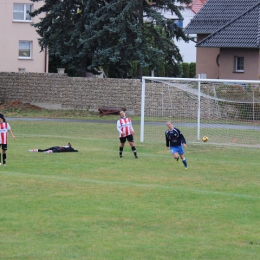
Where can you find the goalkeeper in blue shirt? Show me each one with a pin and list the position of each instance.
(175, 140)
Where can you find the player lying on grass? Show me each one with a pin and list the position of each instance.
(56, 149)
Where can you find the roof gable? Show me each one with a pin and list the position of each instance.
(216, 13)
(241, 32)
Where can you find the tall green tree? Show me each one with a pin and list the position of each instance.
(85, 35)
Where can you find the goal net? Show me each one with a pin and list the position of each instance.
(226, 111)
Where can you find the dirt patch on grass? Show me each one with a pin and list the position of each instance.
(18, 105)
(19, 109)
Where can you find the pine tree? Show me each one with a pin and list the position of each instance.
(85, 35)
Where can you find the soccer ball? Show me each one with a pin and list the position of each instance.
(205, 138)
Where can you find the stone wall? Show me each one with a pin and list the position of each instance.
(58, 91)
(62, 92)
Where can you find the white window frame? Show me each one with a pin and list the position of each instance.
(29, 50)
(23, 11)
(239, 64)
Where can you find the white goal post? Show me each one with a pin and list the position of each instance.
(226, 111)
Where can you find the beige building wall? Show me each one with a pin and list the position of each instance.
(207, 60)
(11, 32)
(251, 64)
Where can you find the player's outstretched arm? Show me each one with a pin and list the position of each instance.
(10, 131)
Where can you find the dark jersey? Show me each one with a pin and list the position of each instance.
(59, 149)
(174, 137)
(64, 149)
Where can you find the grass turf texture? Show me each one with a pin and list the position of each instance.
(93, 205)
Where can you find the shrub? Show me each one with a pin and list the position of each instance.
(186, 70)
(192, 70)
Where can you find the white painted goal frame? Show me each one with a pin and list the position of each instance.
(236, 122)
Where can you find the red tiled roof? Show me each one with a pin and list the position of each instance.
(196, 5)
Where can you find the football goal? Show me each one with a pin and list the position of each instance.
(226, 111)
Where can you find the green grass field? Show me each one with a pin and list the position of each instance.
(93, 205)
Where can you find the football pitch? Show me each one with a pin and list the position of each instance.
(94, 205)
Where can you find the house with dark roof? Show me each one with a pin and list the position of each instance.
(228, 39)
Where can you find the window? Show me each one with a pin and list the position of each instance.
(25, 50)
(20, 12)
(179, 23)
(239, 64)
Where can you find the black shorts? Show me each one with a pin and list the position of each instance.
(4, 146)
(129, 138)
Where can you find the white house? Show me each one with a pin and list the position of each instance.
(187, 50)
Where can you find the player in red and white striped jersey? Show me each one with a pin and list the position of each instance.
(126, 132)
(4, 129)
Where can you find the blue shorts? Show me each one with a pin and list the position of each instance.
(177, 149)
